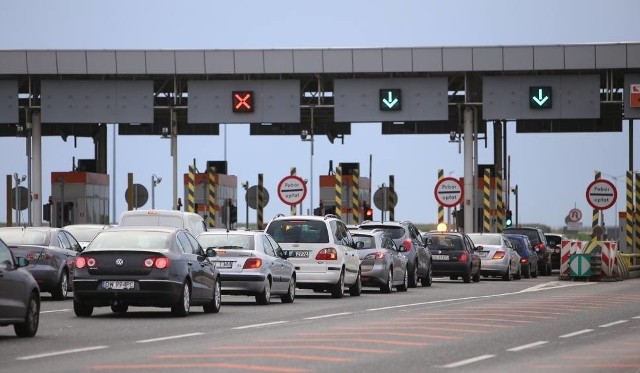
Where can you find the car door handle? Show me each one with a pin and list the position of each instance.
(190, 263)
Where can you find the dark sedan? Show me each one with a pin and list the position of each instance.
(146, 267)
(19, 295)
(51, 253)
(453, 255)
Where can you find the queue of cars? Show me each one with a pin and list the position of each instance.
(168, 259)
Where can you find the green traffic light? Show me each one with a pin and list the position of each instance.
(540, 97)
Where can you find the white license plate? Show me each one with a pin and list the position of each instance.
(301, 254)
(223, 264)
(440, 257)
(118, 285)
(482, 254)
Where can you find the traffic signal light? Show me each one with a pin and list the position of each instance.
(508, 222)
(233, 212)
(368, 214)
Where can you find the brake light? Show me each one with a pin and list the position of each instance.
(32, 256)
(327, 254)
(91, 262)
(376, 255)
(524, 260)
(540, 246)
(80, 262)
(159, 263)
(498, 255)
(463, 257)
(407, 244)
(252, 263)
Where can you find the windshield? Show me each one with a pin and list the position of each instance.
(532, 234)
(84, 234)
(14, 237)
(118, 240)
(227, 241)
(444, 242)
(302, 231)
(485, 239)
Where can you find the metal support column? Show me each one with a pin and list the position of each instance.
(469, 203)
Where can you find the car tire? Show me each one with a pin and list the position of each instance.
(356, 289)
(405, 282)
(81, 309)
(183, 306)
(413, 276)
(527, 271)
(534, 273)
(518, 275)
(62, 288)
(337, 290)
(290, 296)
(476, 277)
(119, 308)
(466, 277)
(507, 275)
(264, 297)
(386, 288)
(29, 327)
(216, 301)
(428, 279)
(549, 271)
(453, 278)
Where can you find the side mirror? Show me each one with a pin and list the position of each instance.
(359, 244)
(211, 252)
(22, 262)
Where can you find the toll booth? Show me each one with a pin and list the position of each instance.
(226, 191)
(78, 197)
(328, 196)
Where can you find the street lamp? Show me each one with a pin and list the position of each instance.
(155, 180)
(18, 180)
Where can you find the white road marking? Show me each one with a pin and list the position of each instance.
(169, 337)
(579, 332)
(51, 311)
(259, 325)
(65, 352)
(613, 323)
(530, 345)
(468, 361)
(325, 316)
(636, 317)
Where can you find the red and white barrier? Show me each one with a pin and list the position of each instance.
(609, 264)
(565, 252)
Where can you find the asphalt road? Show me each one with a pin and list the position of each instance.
(532, 325)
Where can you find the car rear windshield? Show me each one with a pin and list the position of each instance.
(554, 240)
(84, 233)
(24, 237)
(152, 220)
(227, 241)
(369, 241)
(444, 242)
(485, 239)
(532, 234)
(393, 231)
(131, 240)
(301, 231)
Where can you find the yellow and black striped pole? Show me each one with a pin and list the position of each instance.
(260, 204)
(499, 204)
(440, 207)
(596, 212)
(630, 216)
(355, 196)
(191, 190)
(211, 199)
(637, 220)
(338, 188)
(391, 198)
(486, 213)
(293, 207)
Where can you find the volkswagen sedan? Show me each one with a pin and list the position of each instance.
(147, 267)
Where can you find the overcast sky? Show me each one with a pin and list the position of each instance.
(552, 171)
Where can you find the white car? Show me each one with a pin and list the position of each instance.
(322, 250)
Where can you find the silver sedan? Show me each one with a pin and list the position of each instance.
(251, 263)
(497, 255)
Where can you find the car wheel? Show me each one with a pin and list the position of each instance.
(386, 288)
(337, 290)
(466, 277)
(534, 274)
(527, 271)
(476, 277)
(181, 309)
(413, 276)
(29, 327)
(265, 296)
(507, 275)
(453, 278)
(119, 308)
(428, 279)
(518, 275)
(291, 292)
(214, 306)
(62, 288)
(81, 309)
(356, 289)
(549, 269)
(405, 282)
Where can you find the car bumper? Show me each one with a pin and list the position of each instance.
(492, 268)
(373, 274)
(309, 280)
(242, 284)
(449, 268)
(147, 293)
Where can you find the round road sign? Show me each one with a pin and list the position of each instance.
(448, 191)
(292, 190)
(601, 194)
(251, 197)
(140, 195)
(23, 200)
(575, 215)
(384, 193)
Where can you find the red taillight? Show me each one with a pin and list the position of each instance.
(91, 262)
(252, 263)
(32, 255)
(80, 262)
(463, 257)
(540, 246)
(407, 244)
(376, 255)
(327, 254)
(524, 260)
(159, 263)
(498, 255)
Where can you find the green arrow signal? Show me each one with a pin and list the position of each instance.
(390, 100)
(540, 100)
(540, 97)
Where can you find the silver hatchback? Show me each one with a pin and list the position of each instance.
(382, 263)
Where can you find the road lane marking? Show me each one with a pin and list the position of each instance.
(530, 345)
(579, 332)
(259, 325)
(57, 353)
(169, 338)
(636, 317)
(613, 323)
(468, 361)
(325, 316)
(51, 311)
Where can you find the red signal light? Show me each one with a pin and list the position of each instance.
(242, 101)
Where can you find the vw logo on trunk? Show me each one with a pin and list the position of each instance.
(119, 262)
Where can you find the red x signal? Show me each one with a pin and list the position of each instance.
(242, 101)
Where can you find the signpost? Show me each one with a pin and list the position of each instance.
(601, 194)
(580, 265)
(540, 97)
(448, 192)
(292, 190)
(381, 199)
(575, 215)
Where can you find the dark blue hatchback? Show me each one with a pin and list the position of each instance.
(528, 258)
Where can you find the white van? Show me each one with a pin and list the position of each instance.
(165, 218)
